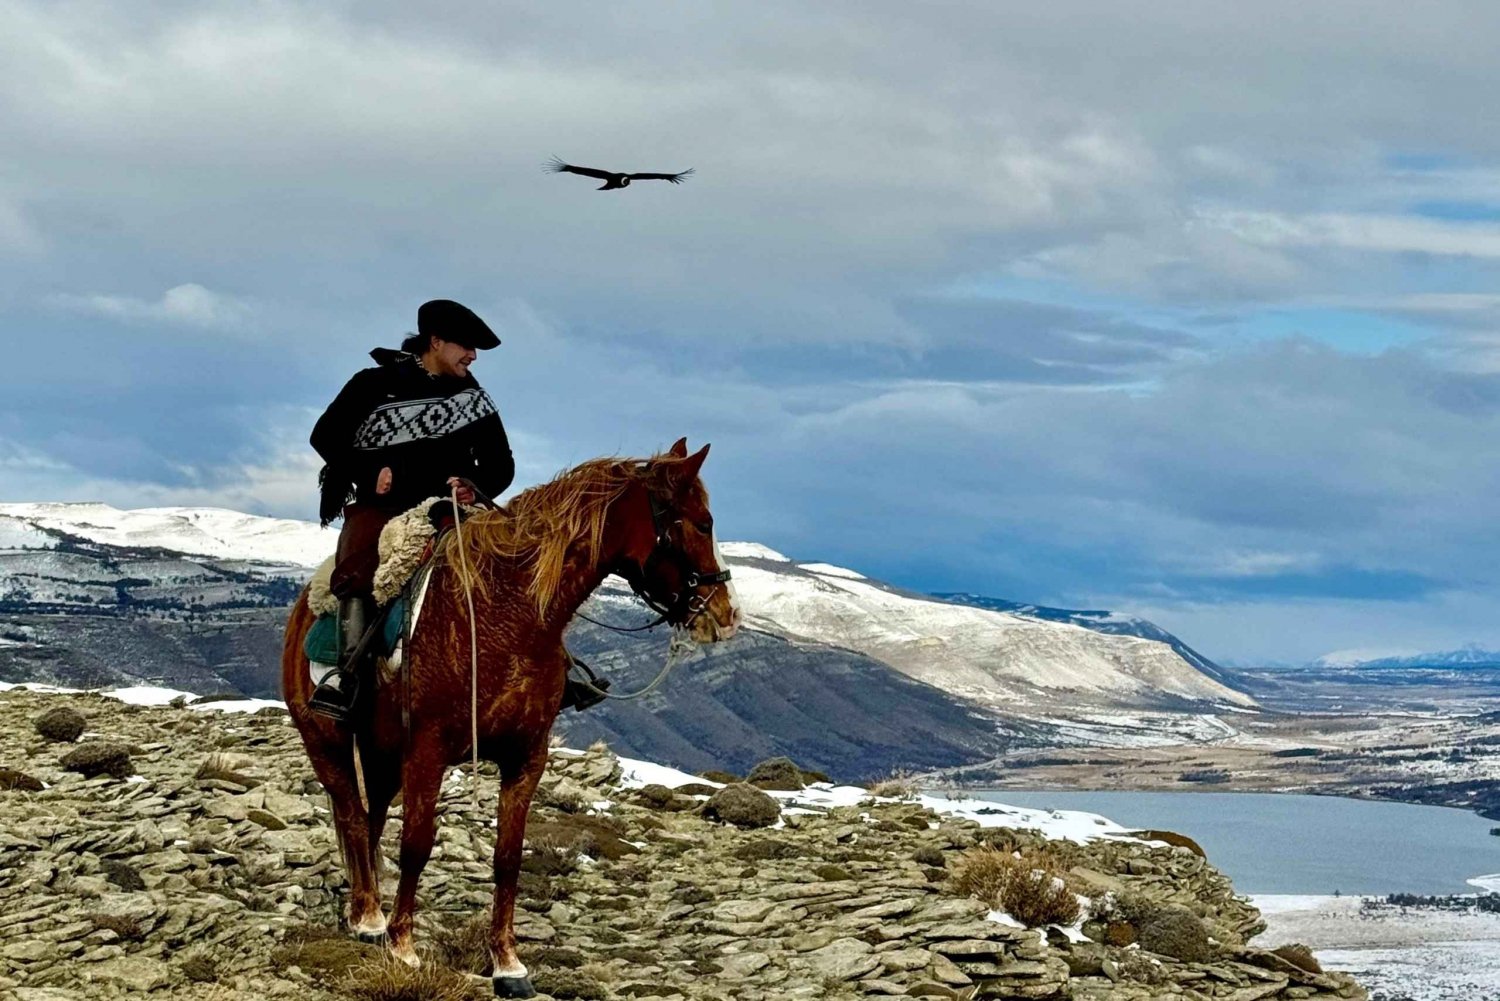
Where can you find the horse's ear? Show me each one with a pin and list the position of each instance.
(688, 471)
(679, 448)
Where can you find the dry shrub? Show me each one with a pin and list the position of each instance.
(200, 968)
(1028, 887)
(898, 785)
(389, 979)
(129, 929)
(225, 767)
(324, 952)
(465, 943)
(562, 797)
(553, 854)
(602, 972)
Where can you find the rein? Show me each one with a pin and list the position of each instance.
(458, 526)
(685, 605)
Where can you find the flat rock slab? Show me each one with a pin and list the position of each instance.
(844, 959)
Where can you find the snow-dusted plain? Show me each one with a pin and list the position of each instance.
(1400, 954)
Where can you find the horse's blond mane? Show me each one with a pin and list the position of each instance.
(538, 527)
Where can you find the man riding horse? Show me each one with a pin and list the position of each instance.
(415, 426)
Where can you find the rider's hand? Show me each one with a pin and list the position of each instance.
(465, 491)
(383, 481)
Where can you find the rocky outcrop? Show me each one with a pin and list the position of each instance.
(214, 873)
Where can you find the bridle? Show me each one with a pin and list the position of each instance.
(683, 607)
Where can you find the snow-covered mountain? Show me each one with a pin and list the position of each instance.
(1468, 656)
(993, 657)
(213, 565)
(1113, 623)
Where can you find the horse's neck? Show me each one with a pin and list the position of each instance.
(574, 590)
(582, 577)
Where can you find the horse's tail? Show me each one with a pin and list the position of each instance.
(296, 672)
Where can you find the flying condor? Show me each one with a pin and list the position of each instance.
(611, 179)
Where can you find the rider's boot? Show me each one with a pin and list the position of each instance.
(334, 697)
(584, 688)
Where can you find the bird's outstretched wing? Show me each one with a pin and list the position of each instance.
(556, 166)
(674, 178)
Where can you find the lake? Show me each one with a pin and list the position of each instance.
(1273, 843)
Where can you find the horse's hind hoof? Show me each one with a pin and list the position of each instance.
(513, 987)
(371, 937)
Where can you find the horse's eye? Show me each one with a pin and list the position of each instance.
(706, 526)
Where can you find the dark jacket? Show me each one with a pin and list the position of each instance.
(426, 428)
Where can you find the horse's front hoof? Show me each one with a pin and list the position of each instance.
(513, 987)
(371, 937)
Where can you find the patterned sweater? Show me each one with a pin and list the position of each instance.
(425, 428)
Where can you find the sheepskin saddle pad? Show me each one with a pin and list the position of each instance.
(405, 547)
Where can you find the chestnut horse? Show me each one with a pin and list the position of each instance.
(531, 565)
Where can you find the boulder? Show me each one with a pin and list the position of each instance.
(1176, 932)
(781, 774)
(61, 725)
(12, 779)
(742, 805)
(99, 757)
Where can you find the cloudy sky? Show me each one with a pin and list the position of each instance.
(1185, 309)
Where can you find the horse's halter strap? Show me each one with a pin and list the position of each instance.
(684, 606)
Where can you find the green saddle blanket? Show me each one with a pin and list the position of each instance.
(322, 644)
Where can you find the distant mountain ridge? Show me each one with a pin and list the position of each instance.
(844, 672)
(1470, 656)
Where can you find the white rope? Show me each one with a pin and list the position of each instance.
(473, 650)
(681, 644)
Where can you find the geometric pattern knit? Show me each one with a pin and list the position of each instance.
(413, 420)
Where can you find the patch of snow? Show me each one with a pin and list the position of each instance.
(146, 695)
(1489, 883)
(239, 705)
(829, 570)
(151, 695)
(635, 774)
(751, 551)
(1070, 825)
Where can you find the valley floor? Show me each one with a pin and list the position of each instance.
(1398, 953)
(1431, 757)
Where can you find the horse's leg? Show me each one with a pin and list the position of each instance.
(381, 783)
(422, 775)
(519, 777)
(333, 762)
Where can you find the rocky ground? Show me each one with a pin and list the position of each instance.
(199, 863)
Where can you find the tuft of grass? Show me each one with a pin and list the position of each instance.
(200, 968)
(563, 798)
(898, 785)
(389, 979)
(552, 854)
(225, 767)
(1028, 887)
(465, 943)
(129, 929)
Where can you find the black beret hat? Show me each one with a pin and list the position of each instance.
(450, 321)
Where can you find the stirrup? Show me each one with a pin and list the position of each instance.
(331, 699)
